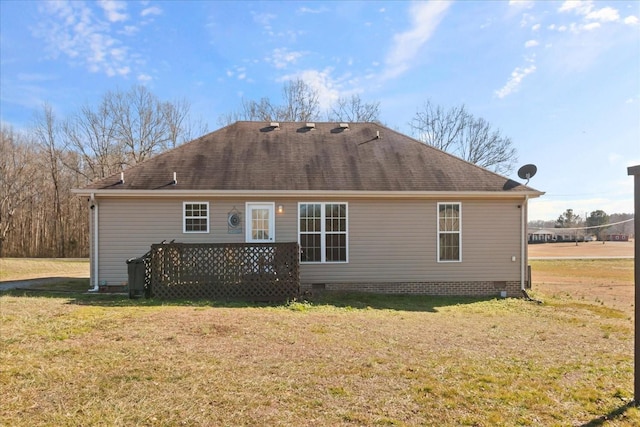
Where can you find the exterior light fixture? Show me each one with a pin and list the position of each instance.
(280, 209)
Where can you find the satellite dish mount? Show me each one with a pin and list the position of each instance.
(527, 172)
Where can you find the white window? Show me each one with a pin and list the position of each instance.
(195, 217)
(449, 232)
(322, 232)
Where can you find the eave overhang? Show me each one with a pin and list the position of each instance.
(307, 193)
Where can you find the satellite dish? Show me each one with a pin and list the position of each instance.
(527, 172)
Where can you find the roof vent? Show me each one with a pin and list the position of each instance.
(310, 125)
(344, 126)
(274, 125)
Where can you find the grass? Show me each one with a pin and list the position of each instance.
(31, 268)
(607, 282)
(349, 359)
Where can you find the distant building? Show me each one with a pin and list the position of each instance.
(617, 237)
(553, 235)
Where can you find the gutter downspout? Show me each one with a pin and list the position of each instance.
(523, 248)
(94, 208)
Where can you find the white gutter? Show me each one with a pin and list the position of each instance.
(523, 249)
(94, 208)
(309, 193)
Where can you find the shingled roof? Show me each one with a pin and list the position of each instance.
(297, 157)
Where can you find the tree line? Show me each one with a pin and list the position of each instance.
(39, 216)
(40, 165)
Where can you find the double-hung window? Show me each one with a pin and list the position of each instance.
(449, 232)
(195, 217)
(322, 232)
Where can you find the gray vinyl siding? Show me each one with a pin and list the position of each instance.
(396, 241)
(128, 227)
(389, 241)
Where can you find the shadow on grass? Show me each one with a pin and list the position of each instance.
(362, 300)
(347, 300)
(613, 415)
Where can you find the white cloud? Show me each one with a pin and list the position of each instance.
(606, 14)
(72, 29)
(130, 30)
(587, 11)
(153, 10)
(264, 19)
(591, 26)
(513, 84)
(144, 78)
(631, 20)
(322, 82)
(536, 27)
(426, 17)
(579, 6)
(282, 57)
(312, 11)
(239, 73)
(114, 10)
(531, 43)
(122, 71)
(522, 4)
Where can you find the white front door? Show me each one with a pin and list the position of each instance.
(260, 224)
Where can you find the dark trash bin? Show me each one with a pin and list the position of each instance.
(135, 268)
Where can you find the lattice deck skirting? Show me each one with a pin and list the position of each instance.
(245, 271)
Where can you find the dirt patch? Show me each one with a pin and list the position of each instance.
(582, 250)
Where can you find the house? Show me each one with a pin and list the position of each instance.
(542, 236)
(557, 235)
(372, 209)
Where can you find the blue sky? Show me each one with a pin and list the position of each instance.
(561, 79)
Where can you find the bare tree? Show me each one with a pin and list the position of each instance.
(261, 111)
(300, 104)
(179, 125)
(38, 214)
(437, 127)
(460, 133)
(140, 122)
(46, 133)
(487, 147)
(125, 129)
(16, 174)
(92, 133)
(353, 109)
